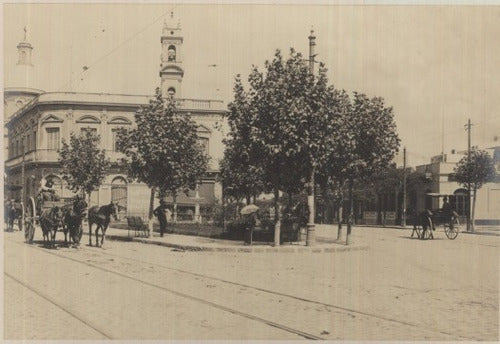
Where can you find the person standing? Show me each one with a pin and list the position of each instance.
(447, 210)
(159, 212)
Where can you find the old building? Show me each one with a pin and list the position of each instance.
(38, 121)
(440, 172)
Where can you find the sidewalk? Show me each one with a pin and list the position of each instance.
(325, 243)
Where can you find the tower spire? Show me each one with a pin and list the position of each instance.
(24, 50)
(171, 72)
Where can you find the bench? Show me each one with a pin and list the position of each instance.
(290, 232)
(138, 225)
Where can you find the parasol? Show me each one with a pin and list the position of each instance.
(249, 209)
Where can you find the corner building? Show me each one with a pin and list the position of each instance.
(38, 121)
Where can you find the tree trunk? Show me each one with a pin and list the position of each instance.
(174, 213)
(150, 213)
(350, 214)
(474, 191)
(340, 215)
(310, 237)
(277, 220)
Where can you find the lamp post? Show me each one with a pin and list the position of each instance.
(310, 235)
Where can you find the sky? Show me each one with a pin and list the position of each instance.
(437, 66)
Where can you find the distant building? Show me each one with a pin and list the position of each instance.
(37, 121)
(441, 173)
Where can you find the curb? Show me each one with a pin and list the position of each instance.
(246, 249)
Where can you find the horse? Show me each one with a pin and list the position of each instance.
(73, 217)
(12, 213)
(50, 220)
(424, 219)
(101, 217)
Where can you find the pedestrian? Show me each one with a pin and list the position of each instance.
(447, 210)
(159, 212)
(251, 222)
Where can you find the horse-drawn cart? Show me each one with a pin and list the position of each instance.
(426, 222)
(34, 208)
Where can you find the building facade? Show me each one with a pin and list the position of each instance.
(38, 121)
(441, 173)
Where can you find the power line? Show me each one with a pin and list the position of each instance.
(88, 66)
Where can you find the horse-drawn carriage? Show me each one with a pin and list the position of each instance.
(51, 213)
(426, 222)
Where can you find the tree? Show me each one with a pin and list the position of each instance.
(291, 126)
(84, 164)
(163, 151)
(240, 172)
(473, 172)
(373, 130)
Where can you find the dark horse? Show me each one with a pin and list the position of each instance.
(73, 217)
(50, 220)
(12, 212)
(101, 217)
(424, 220)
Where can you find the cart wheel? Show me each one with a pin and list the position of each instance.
(29, 221)
(451, 230)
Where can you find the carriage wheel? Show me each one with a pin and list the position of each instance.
(29, 221)
(451, 230)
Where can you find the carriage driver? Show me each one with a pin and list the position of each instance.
(447, 211)
(46, 191)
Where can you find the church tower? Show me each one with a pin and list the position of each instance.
(24, 50)
(171, 71)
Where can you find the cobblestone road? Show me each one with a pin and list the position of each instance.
(399, 289)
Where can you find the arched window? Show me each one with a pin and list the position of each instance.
(119, 192)
(171, 91)
(171, 53)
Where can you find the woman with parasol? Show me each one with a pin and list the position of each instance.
(251, 216)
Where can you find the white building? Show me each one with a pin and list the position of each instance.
(38, 121)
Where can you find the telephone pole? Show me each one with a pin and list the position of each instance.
(468, 127)
(404, 187)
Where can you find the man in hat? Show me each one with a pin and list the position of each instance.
(447, 211)
(159, 212)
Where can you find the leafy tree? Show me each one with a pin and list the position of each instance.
(373, 130)
(335, 171)
(474, 172)
(84, 164)
(241, 174)
(291, 126)
(163, 151)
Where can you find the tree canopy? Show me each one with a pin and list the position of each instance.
(163, 151)
(84, 165)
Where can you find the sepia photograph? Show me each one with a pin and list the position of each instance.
(251, 171)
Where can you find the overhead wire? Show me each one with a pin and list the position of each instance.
(89, 66)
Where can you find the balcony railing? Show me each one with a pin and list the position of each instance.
(51, 155)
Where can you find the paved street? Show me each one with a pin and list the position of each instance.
(398, 289)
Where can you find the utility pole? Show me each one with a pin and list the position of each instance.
(310, 235)
(470, 227)
(404, 187)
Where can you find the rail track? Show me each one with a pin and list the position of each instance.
(229, 309)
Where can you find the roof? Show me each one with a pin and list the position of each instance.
(437, 194)
(186, 104)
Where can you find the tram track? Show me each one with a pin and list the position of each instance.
(246, 315)
(232, 310)
(59, 306)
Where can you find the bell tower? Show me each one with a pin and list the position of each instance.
(171, 72)
(24, 50)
